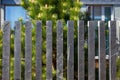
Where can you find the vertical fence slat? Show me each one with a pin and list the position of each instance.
(118, 35)
(112, 50)
(6, 52)
(91, 50)
(59, 50)
(70, 51)
(49, 50)
(102, 50)
(81, 66)
(17, 51)
(28, 50)
(39, 51)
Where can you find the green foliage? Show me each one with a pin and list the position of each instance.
(118, 68)
(45, 10)
(0, 54)
(53, 10)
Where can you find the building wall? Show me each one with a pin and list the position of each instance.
(1, 15)
(115, 4)
(117, 12)
(3, 3)
(101, 1)
(11, 1)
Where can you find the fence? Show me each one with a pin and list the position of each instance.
(60, 47)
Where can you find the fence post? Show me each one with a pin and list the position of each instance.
(70, 51)
(39, 51)
(101, 50)
(6, 52)
(91, 50)
(59, 50)
(17, 51)
(49, 51)
(112, 50)
(81, 69)
(28, 50)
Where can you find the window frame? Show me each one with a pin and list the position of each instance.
(94, 12)
(102, 12)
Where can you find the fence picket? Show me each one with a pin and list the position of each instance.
(91, 50)
(49, 51)
(92, 25)
(102, 50)
(28, 50)
(17, 51)
(59, 50)
(112, 50)
(81, 72)
(39, 51)
(118, 35)
(6, 51)
(70, 51)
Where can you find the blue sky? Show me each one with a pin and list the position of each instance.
(13, 13)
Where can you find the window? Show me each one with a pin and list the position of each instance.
(97, 13)
(13, 13)
(104, 13)
(107, 11)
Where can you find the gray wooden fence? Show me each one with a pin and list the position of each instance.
(92, 25)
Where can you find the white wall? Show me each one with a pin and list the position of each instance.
(117, 12)
(1, 15)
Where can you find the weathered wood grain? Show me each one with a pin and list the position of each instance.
(81, 69)
(49, 50)
(6, 52)
(70, 50)
(112, 50)
(59, 50)
(102, 50)
(28, 50)
(91, 50)
(17, 51)
(39, 51)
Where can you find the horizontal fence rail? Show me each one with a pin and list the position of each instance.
(59, 56)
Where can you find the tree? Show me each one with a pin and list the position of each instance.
(53, 10)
